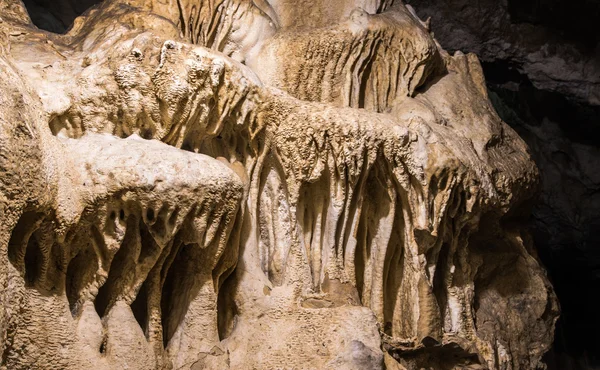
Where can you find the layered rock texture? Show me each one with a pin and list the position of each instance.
(258, 185)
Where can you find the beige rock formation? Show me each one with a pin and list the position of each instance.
(214, 184)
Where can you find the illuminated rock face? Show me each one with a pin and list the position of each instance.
(252, 184)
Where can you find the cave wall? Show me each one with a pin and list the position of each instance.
(542, 61)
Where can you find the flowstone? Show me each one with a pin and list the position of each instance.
(259, 184)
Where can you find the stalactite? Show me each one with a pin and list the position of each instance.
(226, 180)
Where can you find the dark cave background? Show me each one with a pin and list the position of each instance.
(541, 59)
(56, 15)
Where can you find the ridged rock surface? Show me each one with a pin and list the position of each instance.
(259, 185)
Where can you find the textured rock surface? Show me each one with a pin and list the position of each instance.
(252, 184)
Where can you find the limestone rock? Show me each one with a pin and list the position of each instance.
(251, 184)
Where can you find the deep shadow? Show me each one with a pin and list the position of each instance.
(182, 284)
(80, 273)
(573, 20)
(227, 309)
(520, 103)
(56, 15)
(443, 357)
(140, 308)
(23, 237)
(569, 247)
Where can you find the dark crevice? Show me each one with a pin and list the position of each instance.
(109, 292)
(180, 287)
(140, 308)
(150, 214)
(33, 261)
(394, 269)
(57, 16)
(26, 225)
(80, 272)
(227, 309)
(364, 83)
(181, 18)
(30, 259)
(103, 344)
(432, 355)
(439, 283)
(149, 248)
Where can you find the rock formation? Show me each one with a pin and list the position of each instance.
(258, 184)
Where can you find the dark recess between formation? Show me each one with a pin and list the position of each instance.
(56, 15)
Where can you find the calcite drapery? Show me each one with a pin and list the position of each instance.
(325, 179)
